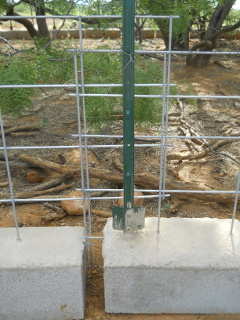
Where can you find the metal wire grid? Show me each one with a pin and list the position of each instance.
(83, 136)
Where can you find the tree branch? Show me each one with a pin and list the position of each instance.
(8, 43)
(25, 22)
(201, 44)
(56, 33)
(227, 29)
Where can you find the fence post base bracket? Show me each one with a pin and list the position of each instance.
(128, 220)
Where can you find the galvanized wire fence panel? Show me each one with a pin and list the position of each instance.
(82, 136)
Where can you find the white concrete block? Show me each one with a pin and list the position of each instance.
(192, 266)
(43, 276)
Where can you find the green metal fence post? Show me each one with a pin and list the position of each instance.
(128, 101)
(128, 219)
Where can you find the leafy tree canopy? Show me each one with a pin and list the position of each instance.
(209, 16)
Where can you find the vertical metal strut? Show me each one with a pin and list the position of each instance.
(128, 101)
(128, 219)
(9, 177)
(81, 109)
(235, 202)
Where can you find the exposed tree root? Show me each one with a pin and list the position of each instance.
(22, 128)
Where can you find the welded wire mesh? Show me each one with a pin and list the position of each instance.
(82, 137)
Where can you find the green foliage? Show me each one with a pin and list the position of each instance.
(3, 6)
(102, 68)
(188, 12)
(165, 208)
(37, 67)
(23, 9)
(15, 100)
(103, 7)
(233, 17)
(107, 68)
(41, 67)
(148, 109)
(60, 6)
(53, 66)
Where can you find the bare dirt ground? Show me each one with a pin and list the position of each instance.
(207, 165)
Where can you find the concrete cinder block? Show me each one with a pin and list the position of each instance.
(192, 266)
(112, 33)
(158, 34)
(62, 34)
(73, 34)
(94, 33)
(23, 34)
(148, 33)
(43, 276)
(10, 35)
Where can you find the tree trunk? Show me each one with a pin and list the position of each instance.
(139, 25)
(43, 32)
(25, 22)
(209, 40)
(164, 29)
(179, 42)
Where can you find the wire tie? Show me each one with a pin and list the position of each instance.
(130, 59)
